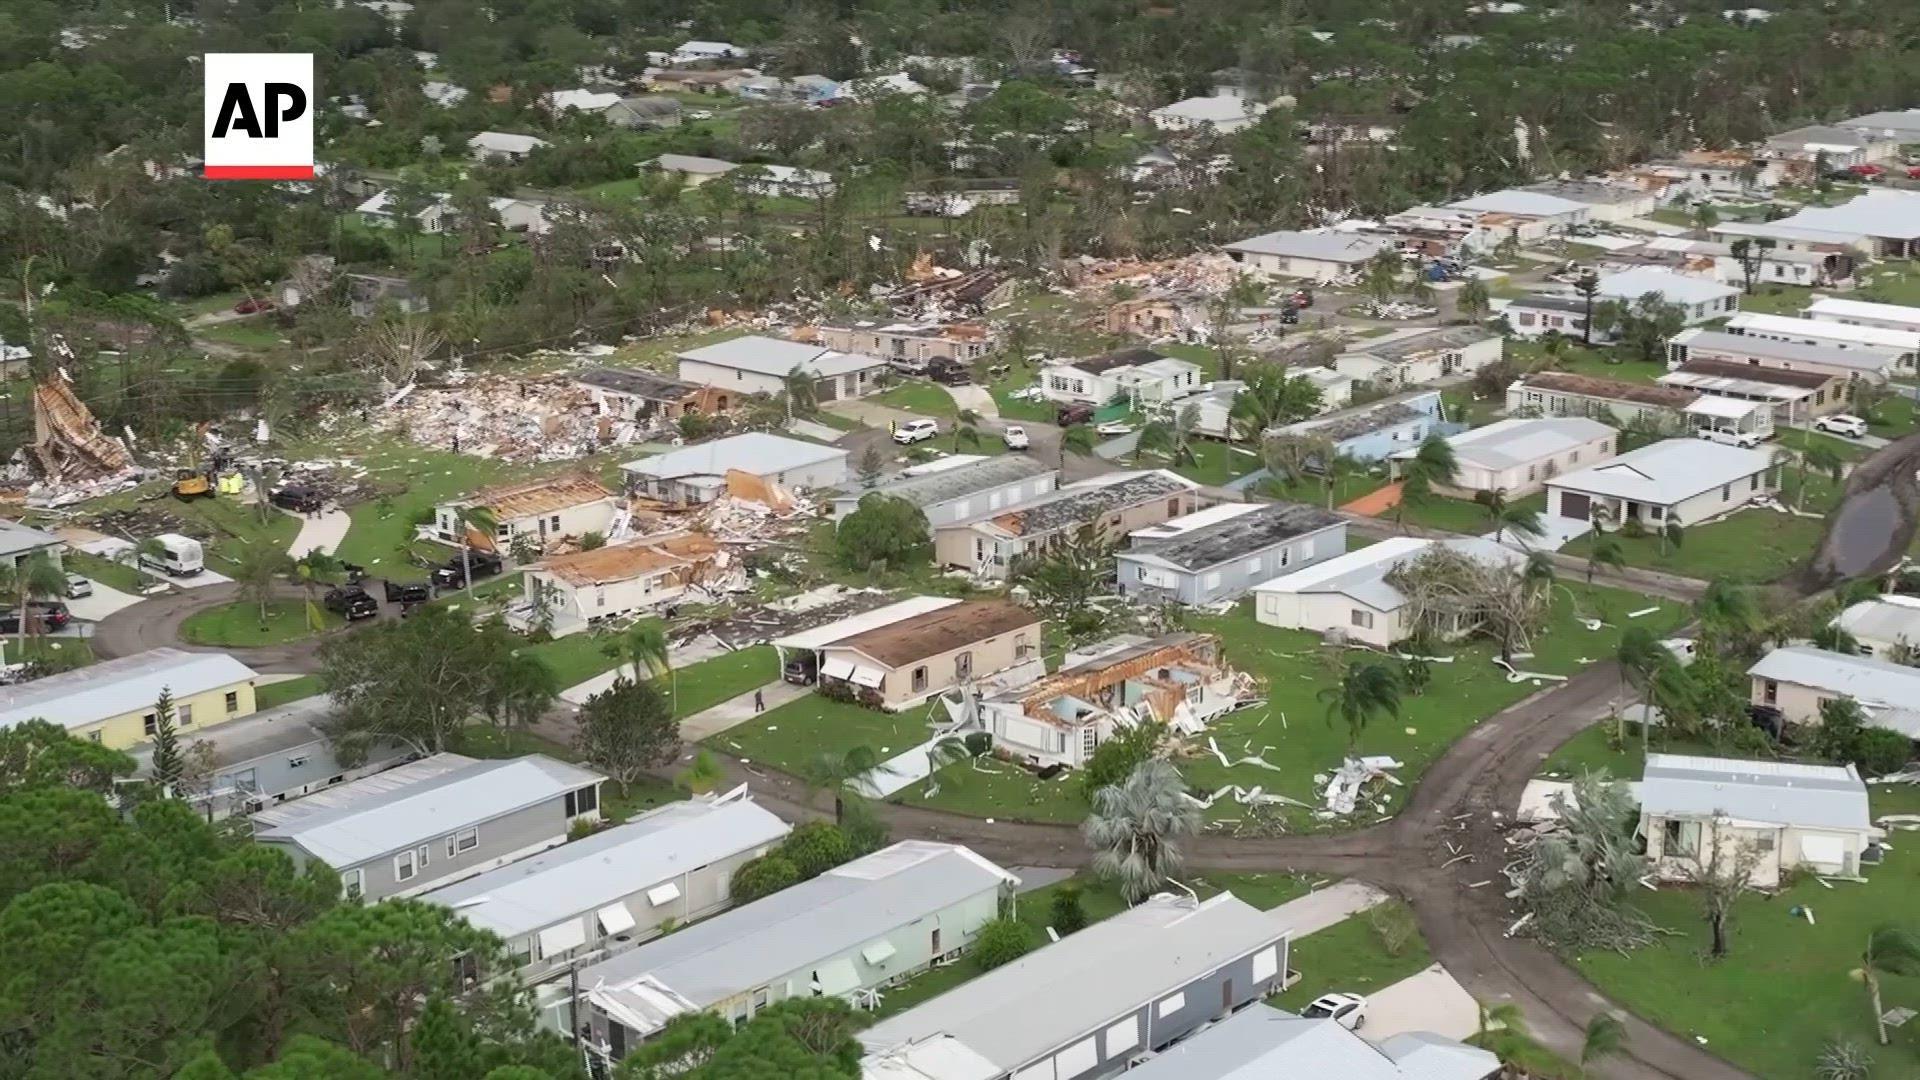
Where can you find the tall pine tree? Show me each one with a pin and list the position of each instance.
(167, 762)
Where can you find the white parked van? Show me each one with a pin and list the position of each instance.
(179, 556)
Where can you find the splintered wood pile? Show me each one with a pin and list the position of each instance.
(68, 444)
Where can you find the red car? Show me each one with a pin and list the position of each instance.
(1865, 172)
(253, 307)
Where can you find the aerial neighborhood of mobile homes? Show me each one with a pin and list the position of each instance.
(805, 557)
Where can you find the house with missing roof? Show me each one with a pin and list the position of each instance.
(961, 342)
(1265, 1043)
(1772, 341)
(762, 365)
(270, 757)
(1085, 1006)
(1376, 430)
(1796, 679)
(111, 702)
(544, 511)
(1217, 554)
(1110, 506)
(433, 821)
(904, 663)
(1352, 597)
(863, 925)
(1705, 815)
(1674, 481)
(1137, 374)
(958, 488)
(785, 181)
(1312, 256)
(1611, 401)
(595, 897)
(703, 472)
(1795, 397)
(569, 593)
(641, 397)
(1887, 627)
(1520, 455)
(1178, 679)
(1405, 359)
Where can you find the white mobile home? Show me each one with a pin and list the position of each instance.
(1675, 481)
(1351, 598)
(1702, 815)
(1519, 456)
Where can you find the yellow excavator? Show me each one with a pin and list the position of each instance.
(192, 483)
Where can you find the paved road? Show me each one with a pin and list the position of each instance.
(155, 623)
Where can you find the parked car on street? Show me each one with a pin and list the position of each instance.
(1347, 1010)
(351, 601)
(914, 431)
(1841, 424)
(78, 586)
(1015, 437)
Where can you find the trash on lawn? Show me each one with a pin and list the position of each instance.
(1346, 786)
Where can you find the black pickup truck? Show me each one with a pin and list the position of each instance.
(351, 601)
(452, 575)
(407, 592)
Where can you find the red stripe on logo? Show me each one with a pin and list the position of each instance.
(259, 172)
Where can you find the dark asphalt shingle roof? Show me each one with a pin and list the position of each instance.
(1239, 537)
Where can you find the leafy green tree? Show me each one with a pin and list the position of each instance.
(415, 681)
(1273, 397)
(884, 531)
(814, 847)
(257, 571)
(763, 876)
(1001, 942)
(1116, 758)
(37, 754)
(840, 771)
(1137, 826)
(309, 1058)
(1643, 661)
(684, 1047)
(627, 729)
(167, 763)
(1364, 690)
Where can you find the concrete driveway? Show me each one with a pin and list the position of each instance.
(974, 397)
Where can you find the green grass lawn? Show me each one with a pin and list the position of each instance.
(1784, 991)
(1751, 547)
(575, 658)
(1347, 488)
(1797, 440)
(919, 398)
(228, 526)
(1463, 405)
(723, 678)
(63, 653)
(1592, 751)
(1461, 515)
(238, 624)
(1291, 730)
(788, 737)
(1021, 373)
(1602, 363)
(114, 575)
(414, 479)
(286, 690)
(1352, 956)
(245, 333)
(1894, 417)
(1215, 462)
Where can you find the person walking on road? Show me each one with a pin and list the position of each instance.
(759, 703)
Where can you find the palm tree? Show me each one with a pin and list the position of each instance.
(1891, 950)
(1170, 438)
(1474, 299)
(469, 519)
(1335, 467)
(1079, 439)
(265, 479)
(828, 771)
(1642, 658)
(36, 577)
(1364, 690)
(1539, 571)
(1817, 455)
(1605, 551)
(311, 569)
(799, 390)
(1381, 278)
(941, 754)
(1606, 1038)
(1503, 1033)
(1435, 460)
(257, 570)
(645, 646)
(1273, 396)
(1728, 607)
(1137, 825)
(1504, 515)
(1588, 287)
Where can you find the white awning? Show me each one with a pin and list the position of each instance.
(836, 668)
(615, 919)
(836, 977)
(555, 940)
(870, 678)
(878, 952)
(663, 894)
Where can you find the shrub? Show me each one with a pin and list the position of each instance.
(1878, 751)
(1843, 1059)
(1066, 914)
(1114, 759)
(590, 541)
(763, 876)
(816, 847)
(883, 530)
(1632, 529)
(1393, 926)
(1001, 941)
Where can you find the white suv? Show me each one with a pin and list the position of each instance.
(914, 431)
(1744, 439)
(1841, 424)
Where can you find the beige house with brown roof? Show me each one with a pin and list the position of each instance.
(568, 593)
(545, 510)
(1613, 401)
(904, 663)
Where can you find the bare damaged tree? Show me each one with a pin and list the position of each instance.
(1024, 34)
(1574, 882)
(1721, 869)
(396, 349)
(1450, 591)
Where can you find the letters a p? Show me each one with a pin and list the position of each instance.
(259, 116)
